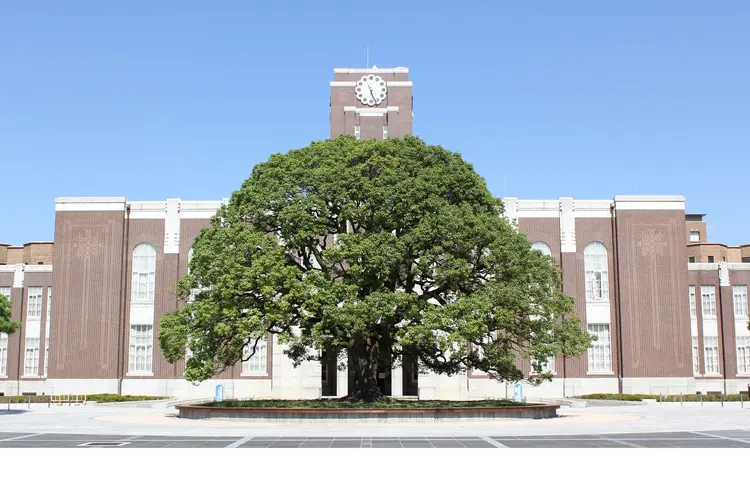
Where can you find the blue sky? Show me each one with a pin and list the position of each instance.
(153, 100)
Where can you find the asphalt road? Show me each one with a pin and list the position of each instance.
(713, 439)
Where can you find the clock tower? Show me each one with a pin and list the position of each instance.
(371, 102)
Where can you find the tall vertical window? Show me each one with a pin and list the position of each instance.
(46, 335)
(4, 290)
(34, 310)
(740, 300)
(3, 354)
(257, 364)
(711, 355)
(708, 300)
(597, 274)
(696, 360)
(695, 236)
(600, 353)
(356, 131)
(141, 349)
(743, 354)
(542, 247)
(31, 357)
(693, 312)
(144, 273)
(385, 131)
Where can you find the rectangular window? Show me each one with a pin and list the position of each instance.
(31, 358)
(696, 361)
(711, 355)
(141, 349)
(695, 236)
(256, 365)
(746, 260)
(710, 259)
(356, 131)
(5, 290)
(597, 285)
(693, 312)
(385, 131)
(3, 354)
(34, 310)
(708, 300)
(743, 354)
(46, 335)
(600, 353)
(740, 300)
(549, 366)
(691, 260)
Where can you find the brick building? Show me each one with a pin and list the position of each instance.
(663, 323)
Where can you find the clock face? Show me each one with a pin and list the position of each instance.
(371, 90)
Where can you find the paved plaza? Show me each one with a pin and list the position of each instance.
(638, 426)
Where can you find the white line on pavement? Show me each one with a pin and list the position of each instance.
(21, 437)
(239, 442)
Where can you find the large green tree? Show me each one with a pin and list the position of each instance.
(375, 251)
(7, 325)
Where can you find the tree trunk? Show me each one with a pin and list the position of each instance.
(364, 358)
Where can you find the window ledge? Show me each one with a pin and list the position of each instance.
(30, 376)
(139, 374)
(600, 373)
(254, 374)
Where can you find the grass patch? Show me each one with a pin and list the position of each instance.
(98, 398)
(334, 404)
(673, 398)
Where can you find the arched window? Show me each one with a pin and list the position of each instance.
(144, 273)
(542, 247)
(597, 274)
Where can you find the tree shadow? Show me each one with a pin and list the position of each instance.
(11, 412)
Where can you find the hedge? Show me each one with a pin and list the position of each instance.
(336, 403)
(672, 398)
(98, 398)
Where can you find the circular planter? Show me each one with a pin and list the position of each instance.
(377, 415)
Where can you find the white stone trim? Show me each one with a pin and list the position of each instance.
(738, 266)
(511, 210)
(90, 204)
(7, 268)
(353, 83)
(538, 209)
(724, 274)
(649, 202)
(592, 209)
(172, 226)
(371, 111)
(148, 209)
(373, 70)
(18, 276)
(703, 266)
(567, 225)
(38, 268)
(199, 209)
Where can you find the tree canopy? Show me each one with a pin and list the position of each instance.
(7, 325)
(372, 250)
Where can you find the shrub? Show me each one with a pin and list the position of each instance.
(339, 404)
(99, 398)
(618, 397)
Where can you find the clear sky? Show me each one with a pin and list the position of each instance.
(154, 100)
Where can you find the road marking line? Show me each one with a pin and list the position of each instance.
(494, 443)
(619, 441)
(21, 437)
(239, 442)
(721, 437)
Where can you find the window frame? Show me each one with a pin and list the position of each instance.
(693, 302)
(708, 301)
(697, 235)
(261, 355)
(34, 301)
(145, 275)
(596, 272)
(134, 342)
(743, 354)
(598, 329)
(739, 300)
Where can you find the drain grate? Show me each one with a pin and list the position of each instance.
(109, 444)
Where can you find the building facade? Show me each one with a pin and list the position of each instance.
(662, 324)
